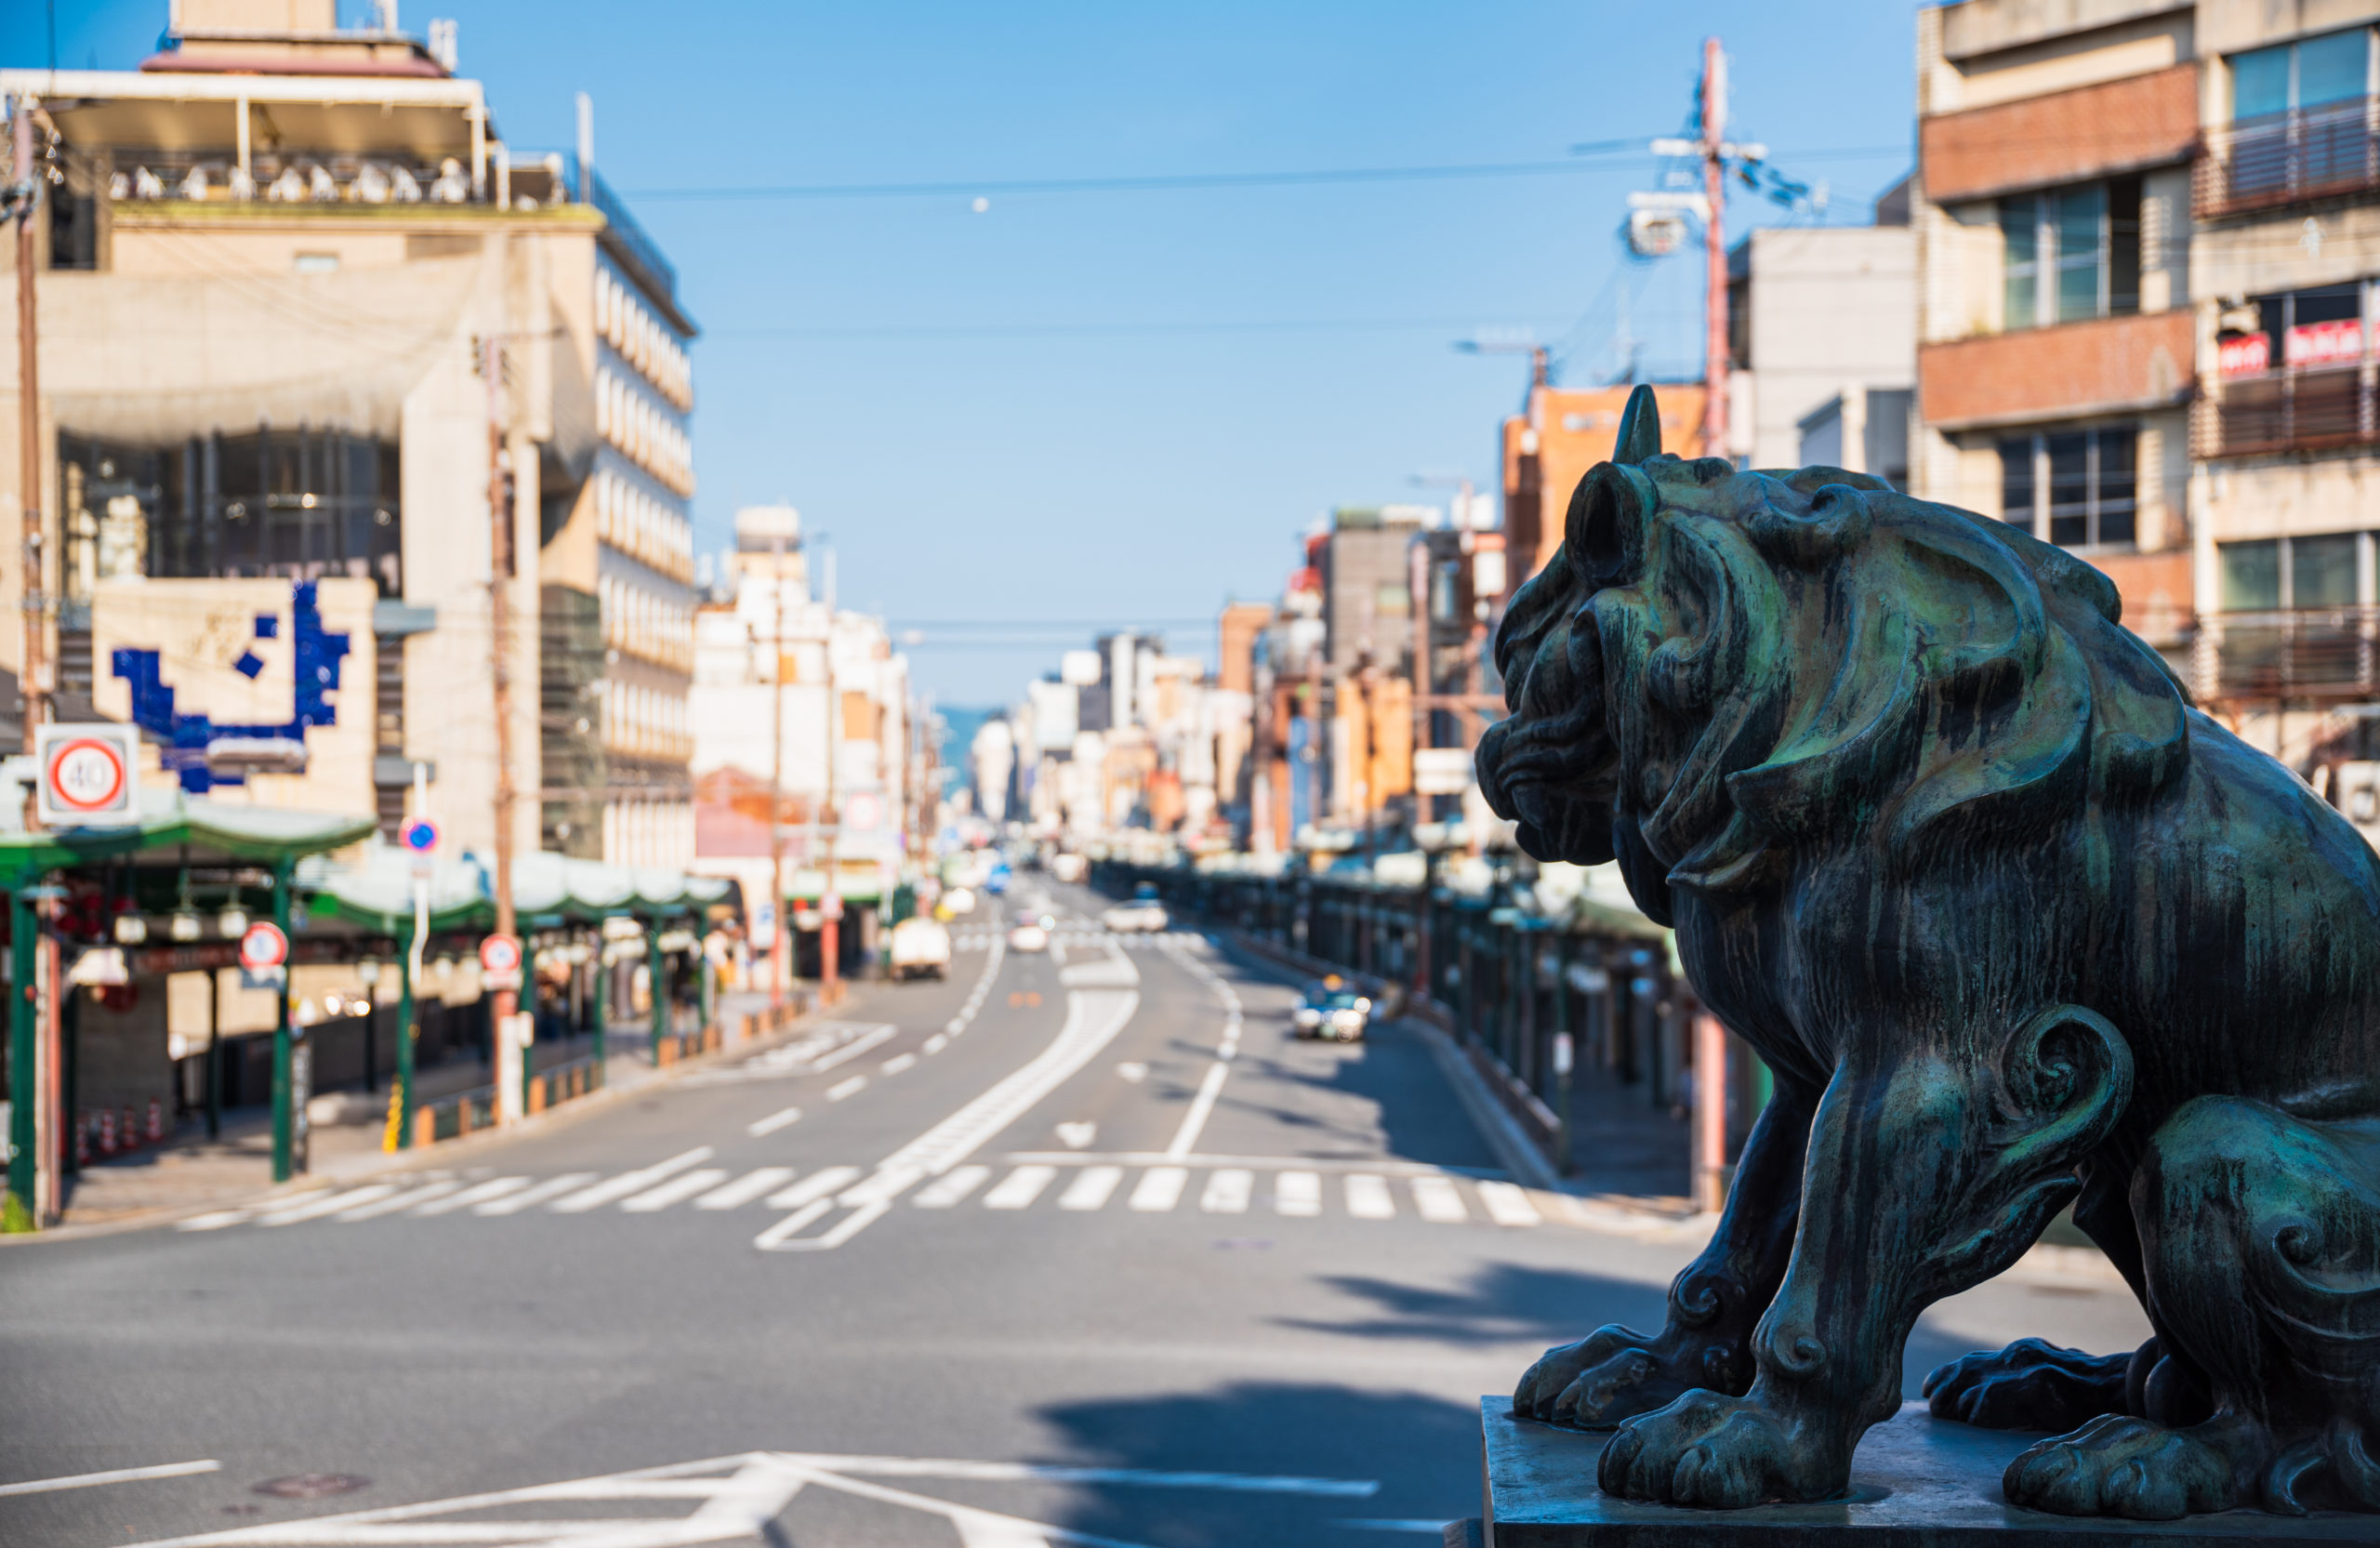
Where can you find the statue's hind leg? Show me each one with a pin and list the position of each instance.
(2261, 1245)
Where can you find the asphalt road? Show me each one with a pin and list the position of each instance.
(1007, 1259)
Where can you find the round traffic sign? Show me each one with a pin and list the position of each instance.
(421, 835)
(85, 775)
(263, 946)
(500, 954)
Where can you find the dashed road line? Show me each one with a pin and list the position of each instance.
(763, 1128)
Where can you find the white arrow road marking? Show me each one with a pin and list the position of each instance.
(114, 1476)
(1077, 1136)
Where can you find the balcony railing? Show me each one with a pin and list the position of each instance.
(2285, 158)
(2336, 409)
(2322, 654)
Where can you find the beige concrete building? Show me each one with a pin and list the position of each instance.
(2149, 244)
(1819, 323)
(272, 266)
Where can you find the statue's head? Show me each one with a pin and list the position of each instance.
(1719, 666)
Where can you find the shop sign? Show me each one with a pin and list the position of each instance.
(2248, 355)
(2336, 343)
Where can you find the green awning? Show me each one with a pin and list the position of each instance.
(169, 819)
(378, 892)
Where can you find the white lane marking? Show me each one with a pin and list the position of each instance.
(1077, 1136)
(851, 1087)
(728, 1496)
(677, 1190)
(322, 1205)
(975, 996)
(1507, 1204)
(1202, 1105)
(745, 1189)
(817, 1186)
(1133, 1070)
(479, 1193)
(881, 1188)
(955, 1025)
(113, 1475)
(853, 1049)
(1297, 1192)
(898, 1062)
(1093, 1018)
(1090, 1187)
(552, 1187)
(774, 1121)
(1227, 1192)
(780, 1237)
(405, 1200)
(611, 1190)
(1439, 1200)
(1369, 1199)
(950, 1187)
(936, 1043)
(1019, 1188)
(1160, 1188)
(213, 1220)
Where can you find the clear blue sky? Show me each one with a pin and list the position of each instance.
(1128, 406)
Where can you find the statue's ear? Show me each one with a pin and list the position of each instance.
(1640, 429)
(1605, 533)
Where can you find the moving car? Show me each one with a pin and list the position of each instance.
(920, 949)
(1144, 912)
(1332, 1009)
(1069, 868)
(1030, 934)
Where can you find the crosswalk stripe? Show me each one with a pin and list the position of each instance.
(761, 1127)
(1297, 1192)
(1227, 1192)
(322, 1205)
(1019, 1188)
(950, 1187)
(1090, 1187)
(403, 1200)
(851, 1087)
(818, 1185)
(1159, 1189)
(676, 1190)
(552, 1187)
(1508, 1205)
(1369, 1199)
(896, 1063)
(1439, 1200)
(887, 1185)
(478, 1193)
(613, 1189)
(213, 1220)
(745, 1189)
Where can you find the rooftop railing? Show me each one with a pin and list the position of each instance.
(2286, 158)
(629, 239)
(299, 178)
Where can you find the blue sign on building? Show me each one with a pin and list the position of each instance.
(315, 656)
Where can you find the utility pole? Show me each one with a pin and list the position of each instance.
(499, 507)
(33, 679)
(1714, 234)
(830, 892)
(778, 932)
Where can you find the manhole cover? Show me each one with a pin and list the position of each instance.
(312, 1485)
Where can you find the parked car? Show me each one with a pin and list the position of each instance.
(920, 949)
(1144, 912)
(1332, 1009)
(1030, 934)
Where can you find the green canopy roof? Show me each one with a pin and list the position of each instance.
(213, 829)
(378, 892)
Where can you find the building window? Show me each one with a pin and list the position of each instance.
(2077, 489)
(2312, 72)
(2070, 253)
(2292, 373)
(2291, 575)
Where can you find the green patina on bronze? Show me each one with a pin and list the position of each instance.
(2016, 927)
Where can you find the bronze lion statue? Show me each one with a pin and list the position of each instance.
(2016, 927)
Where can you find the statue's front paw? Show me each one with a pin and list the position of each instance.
(2123, 1466)
(1616, 1372)
(1723, 1452)
(2029, 1385)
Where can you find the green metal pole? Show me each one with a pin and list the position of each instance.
(17, 1214)
(602, 1009)
(406, 1032)
(709, 988)
(657, 976)
(284, 1135)
(529, 1049)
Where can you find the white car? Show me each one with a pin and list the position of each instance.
(1028, 936)
(958, 900)
(1139, 915)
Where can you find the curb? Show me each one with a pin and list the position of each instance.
(415, 1159)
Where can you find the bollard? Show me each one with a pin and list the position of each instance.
(537, 1094)
(425, 1128)
(107, 1131)
(129, 1135)
(462, 1118)
(83, 1141)
(156, 1122)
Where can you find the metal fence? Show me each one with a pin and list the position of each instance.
(2284, 158)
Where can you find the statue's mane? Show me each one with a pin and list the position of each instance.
(1963, 683)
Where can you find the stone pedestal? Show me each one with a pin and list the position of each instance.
(1917, 1482)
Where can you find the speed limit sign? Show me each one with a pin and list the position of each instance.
(500, 963)
(88, 774)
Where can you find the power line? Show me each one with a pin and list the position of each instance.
(1582, 162)
(1093, 330)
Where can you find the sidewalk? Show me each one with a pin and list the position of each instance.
(191, 1171)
